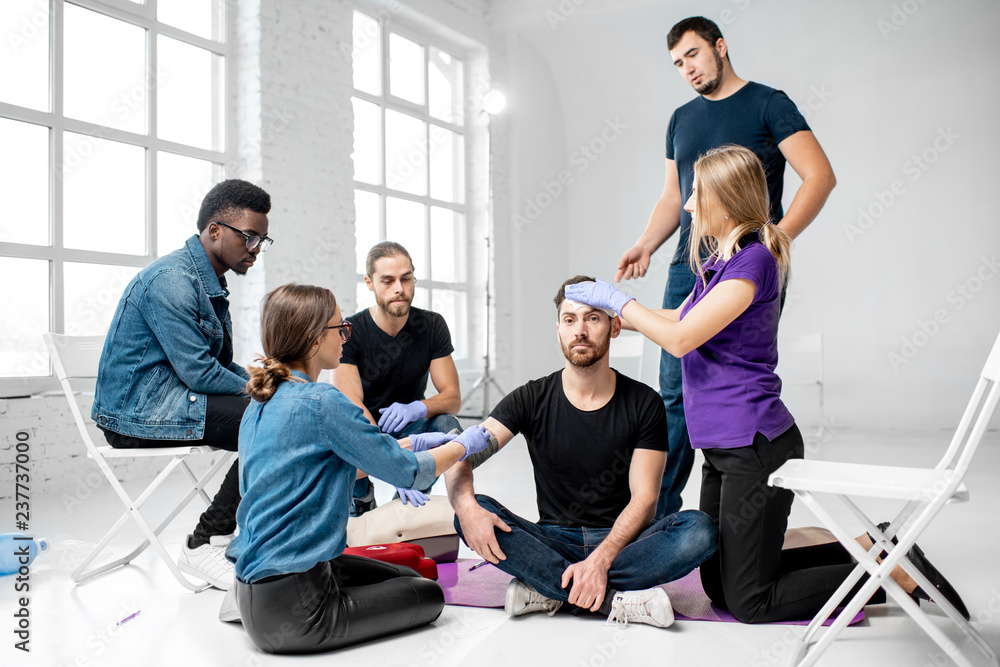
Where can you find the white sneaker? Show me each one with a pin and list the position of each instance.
(651, 606)
(229, 612)
(521, 598)
(209, 562)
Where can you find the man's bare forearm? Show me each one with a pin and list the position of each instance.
(458, 479)
(634, 519)
(443, 404)
(807, 204)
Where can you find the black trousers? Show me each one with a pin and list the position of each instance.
(343, 601)
(749, 574)
(222, 427)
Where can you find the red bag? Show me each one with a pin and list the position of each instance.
(400, 553)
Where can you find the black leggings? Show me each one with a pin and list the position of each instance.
(222, 427)
(749, 574)
(344, 601)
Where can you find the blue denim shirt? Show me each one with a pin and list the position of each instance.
(299, 453)
(164, 350)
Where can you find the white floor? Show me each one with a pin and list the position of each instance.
(76, 625)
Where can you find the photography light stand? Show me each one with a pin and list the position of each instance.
(493, 103)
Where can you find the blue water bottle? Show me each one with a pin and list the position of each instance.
(17, 550)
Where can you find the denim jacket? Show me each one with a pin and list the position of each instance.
(299, 453)
(164, 350)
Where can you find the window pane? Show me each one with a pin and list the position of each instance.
(105, 70)
(406, 223)
(367, 54)
(22, 351)
(445, 86)
(447, 165)
(104, 195)
(365, 297)
(406, 69)
(447, 245)
(405, 153)
(450, 304)
(26, 219)
(366, 226)
(421, 298)
(367, 153)
(200, 17)
(189, 107)
(181, 184)
(91, 294)
(24, 53)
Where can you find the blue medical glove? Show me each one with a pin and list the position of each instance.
(474, 439)
(421, 442)
(416, 498)
(395, 417)
(600, 294)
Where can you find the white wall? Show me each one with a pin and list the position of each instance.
(880, 86)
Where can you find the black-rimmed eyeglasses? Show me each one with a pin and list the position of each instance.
(253, 240)
(345, 329)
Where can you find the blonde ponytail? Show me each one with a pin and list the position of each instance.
(779, 243)
(731, 179)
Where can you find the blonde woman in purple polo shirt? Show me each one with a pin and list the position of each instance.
(725, 334)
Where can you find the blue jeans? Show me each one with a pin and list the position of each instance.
(439, 424)
(537, 554)
(680, 456)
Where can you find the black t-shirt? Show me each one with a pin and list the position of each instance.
(395, 368)
(755, 116)
(581, 459)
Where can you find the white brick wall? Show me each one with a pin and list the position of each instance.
(292, 123)
(58, 461)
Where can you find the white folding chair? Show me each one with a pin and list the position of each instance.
(76, 358)
(924, 491)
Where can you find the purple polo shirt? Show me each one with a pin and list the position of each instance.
(730, 389)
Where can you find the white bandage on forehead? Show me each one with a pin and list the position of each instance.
(576, 305)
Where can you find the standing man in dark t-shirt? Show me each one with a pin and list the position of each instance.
(393, 349)
(597, 442)
(728, 110)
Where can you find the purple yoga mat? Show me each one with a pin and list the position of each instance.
(485, 587)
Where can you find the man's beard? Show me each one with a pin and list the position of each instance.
(589, 358)
(709, 87)
(395, 309)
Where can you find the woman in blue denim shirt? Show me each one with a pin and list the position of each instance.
(301, 443)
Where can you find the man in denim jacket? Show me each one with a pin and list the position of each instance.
(167, 375)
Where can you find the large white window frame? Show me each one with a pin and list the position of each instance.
(462, 331)
(143, 16)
